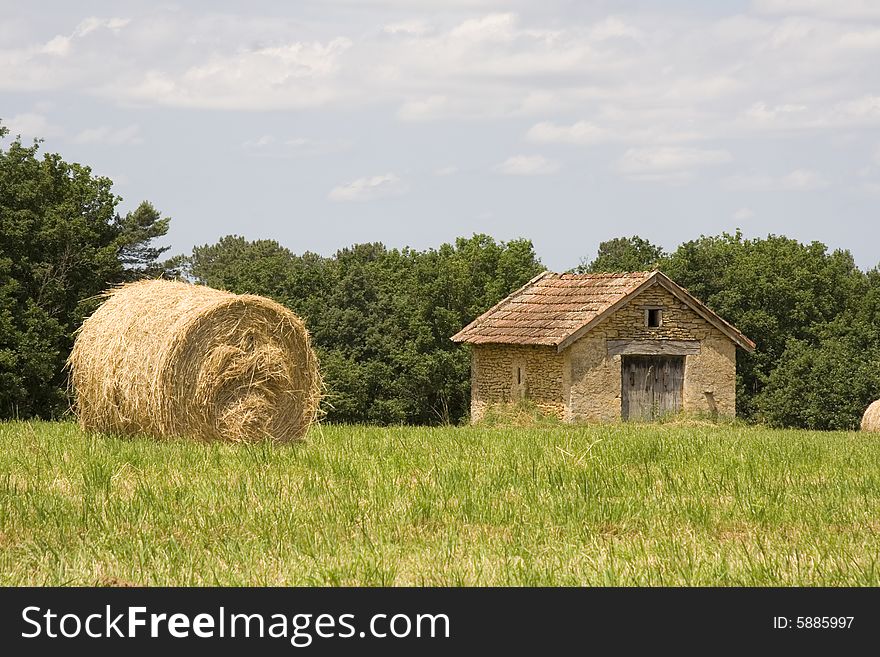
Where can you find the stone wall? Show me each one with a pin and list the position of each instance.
(593, 390)
(710, 377)
(502, 374)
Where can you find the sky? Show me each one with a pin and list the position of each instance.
(327, 123)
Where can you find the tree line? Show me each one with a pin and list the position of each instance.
(381, 318)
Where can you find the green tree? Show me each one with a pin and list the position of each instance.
(61, 243)
(829, 382)
(624, 254)
(822, 386)
(136, 252)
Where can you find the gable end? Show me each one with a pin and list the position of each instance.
(658, 278)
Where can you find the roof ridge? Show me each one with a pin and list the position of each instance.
(607, 274)
(568, 305)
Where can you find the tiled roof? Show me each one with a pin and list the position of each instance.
(551, 308)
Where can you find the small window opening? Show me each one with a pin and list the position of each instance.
(518, 376)
(655, 317)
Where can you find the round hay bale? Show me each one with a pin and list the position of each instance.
(167, 358)
(871, 418)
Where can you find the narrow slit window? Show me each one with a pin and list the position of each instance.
(518, 376)
(655, 317)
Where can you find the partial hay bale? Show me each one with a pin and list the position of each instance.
(871, 418)
(167, 358)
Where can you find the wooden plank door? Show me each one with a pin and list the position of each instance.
(668, 385)
(637, 387)
(651, 386)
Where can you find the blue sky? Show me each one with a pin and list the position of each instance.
(322, 124)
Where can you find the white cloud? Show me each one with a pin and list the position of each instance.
(866, 108)
(861, 39)
(614, 28)
(638, 78)
(743, 213)
(61, 61)
(270, 146)
(627, 128)
(852, 112)
(32, 125)
(259, 142)
(527, 165)
(446, 171)
(803, 180)
(367, 189)
(581, 132)
(761, 113)
(493, 27)
(668, 164)
(58, 46)
(92, 23)
(129, 135)
(830, 8)
(424, 108)
(407, 28)
(799, 180)
(294, 75)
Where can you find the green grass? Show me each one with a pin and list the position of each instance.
(595, 505)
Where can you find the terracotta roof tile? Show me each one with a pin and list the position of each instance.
(552, 308)
(549, 308)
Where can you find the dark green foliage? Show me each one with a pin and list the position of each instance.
(624, 254)
(828, 383)
(380, 318)
(825, 385)
(61, 243)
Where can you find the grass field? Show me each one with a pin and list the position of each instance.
(614, 505)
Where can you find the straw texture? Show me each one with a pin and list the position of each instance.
(166, 358)
(871, 418)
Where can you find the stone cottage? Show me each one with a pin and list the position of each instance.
(603, 347)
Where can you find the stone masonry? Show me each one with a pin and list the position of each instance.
(502, 373)
(583, 383)
(594, 381)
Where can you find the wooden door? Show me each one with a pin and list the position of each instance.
(651, 386)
